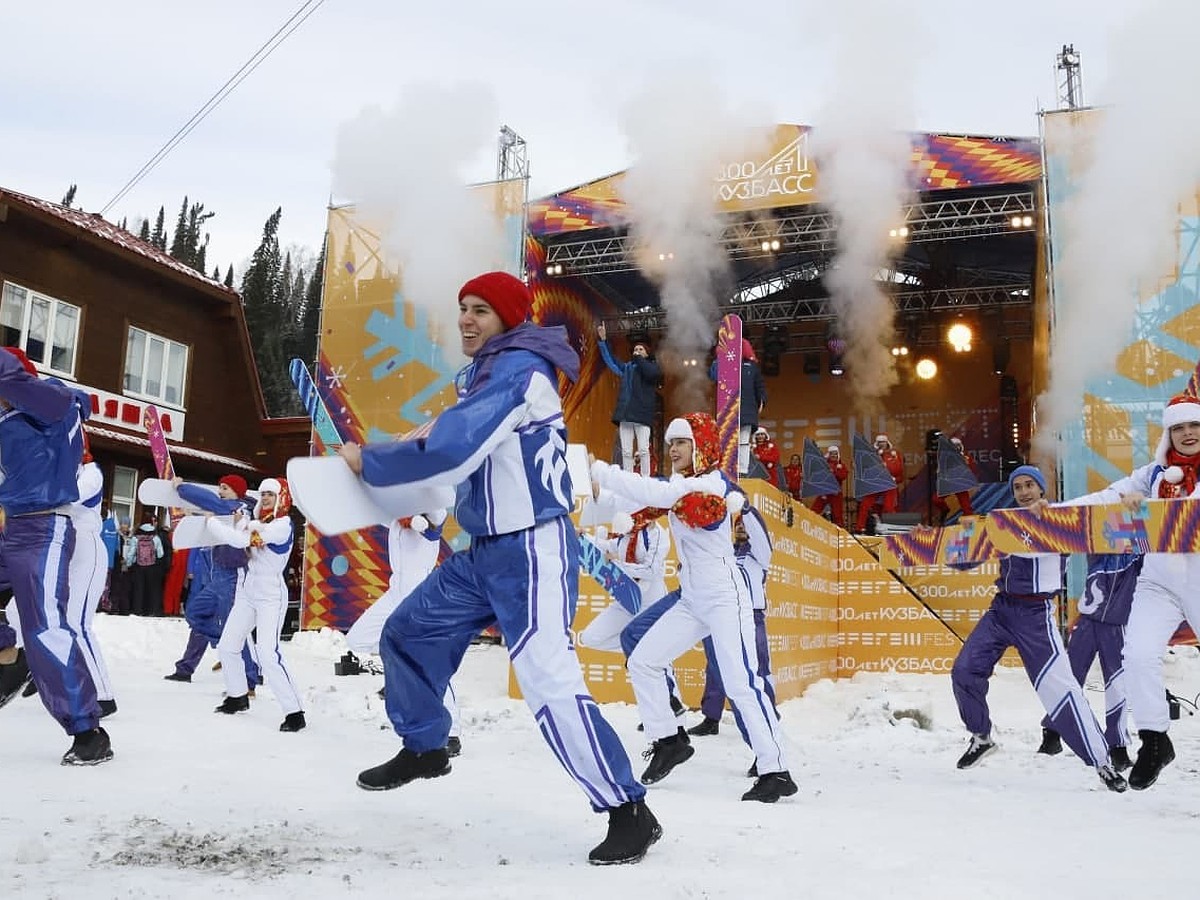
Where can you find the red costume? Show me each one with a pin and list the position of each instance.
(793, 474)
(889, 500)
(767, 453)
(835, 502)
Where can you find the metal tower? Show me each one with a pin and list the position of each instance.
(1070, 81)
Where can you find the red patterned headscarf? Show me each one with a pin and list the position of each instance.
(698, 509)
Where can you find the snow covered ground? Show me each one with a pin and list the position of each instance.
(196, 805)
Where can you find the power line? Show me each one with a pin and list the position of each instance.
(306, 9)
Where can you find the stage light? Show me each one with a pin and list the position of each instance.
(959, 336)
(1027, 221)
(926, 368)
(554, 269)
(900, 350)
(775, 244)
(835, 366)
(766, 246)
(1015, 222)
(901, 232)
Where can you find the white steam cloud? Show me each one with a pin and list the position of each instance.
(405, 169)
(680, 130)
(1117, 232)
(863, 151)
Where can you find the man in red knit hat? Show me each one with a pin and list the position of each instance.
(504, 446)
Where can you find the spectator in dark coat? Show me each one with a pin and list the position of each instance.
(636, 402)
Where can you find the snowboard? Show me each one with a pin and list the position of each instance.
(314, 406)
(335, 500)
(729, 392)
(161, 453)
(190, 532)
(609, 575)
(161, 492)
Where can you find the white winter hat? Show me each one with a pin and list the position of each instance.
(957, 442)
(270, 484)
(1181, 409)
(833, 448)
(678, 428)
(884, 438)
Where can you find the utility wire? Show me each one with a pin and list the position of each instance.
(306, 9)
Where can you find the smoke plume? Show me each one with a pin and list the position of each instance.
(679, 130)
(406, 171)
(863, 152)
(1117, 232)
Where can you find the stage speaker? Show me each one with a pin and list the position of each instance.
(897, 523)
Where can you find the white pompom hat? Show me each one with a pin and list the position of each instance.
(1181, 409)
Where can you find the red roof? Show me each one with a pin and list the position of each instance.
(97, 225)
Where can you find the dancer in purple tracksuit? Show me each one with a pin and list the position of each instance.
(1022, 615)
(41, 437)
(1100, 631)
(504, 446)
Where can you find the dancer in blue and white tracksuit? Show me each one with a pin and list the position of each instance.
(1100, 632)
(713, 600)
(42, 445)
(1022, 615)
(504, 445)
(89, 573)
(1166, 594)
(259, 602)
(752, 548)
(413, 546)
(640, 551)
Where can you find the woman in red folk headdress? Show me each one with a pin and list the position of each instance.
(713, 601)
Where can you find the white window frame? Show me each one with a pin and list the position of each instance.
(118, 502)
(27, 313)
(164, 367)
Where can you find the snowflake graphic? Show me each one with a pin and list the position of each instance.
(336, 378)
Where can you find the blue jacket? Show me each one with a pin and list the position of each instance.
(41, 441)
(503, 445)
(637, 399)
(222, 554)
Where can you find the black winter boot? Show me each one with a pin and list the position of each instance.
(293, 721)
(404, 767)
(231, 705)
(1051, 742)
(632, 828)
(707, 726)
(90, 748)
(665, 755)
(1155, 753)
(13, 677)
(770, 787)
(1119, 757)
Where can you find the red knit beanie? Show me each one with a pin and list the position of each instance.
(235, 483)
(507, 295)
(748, 351)
(25, 360)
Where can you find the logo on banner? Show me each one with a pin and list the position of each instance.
(785, 176)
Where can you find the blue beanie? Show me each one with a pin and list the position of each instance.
(1032, 471)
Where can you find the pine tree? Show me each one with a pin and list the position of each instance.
(180, 248)
(216, 275)
(159, 236)
(229, 276)
(124, 226)
(266, 319)
(69, 196)
(310, 317)
(144, 231)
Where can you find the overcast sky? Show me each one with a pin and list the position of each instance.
(89, 91)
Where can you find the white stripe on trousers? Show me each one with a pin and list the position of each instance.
(88, 573)
(725, 613)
